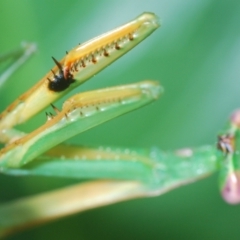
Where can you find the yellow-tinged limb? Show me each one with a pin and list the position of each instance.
(77, 66)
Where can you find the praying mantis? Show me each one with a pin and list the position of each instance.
(113, 173)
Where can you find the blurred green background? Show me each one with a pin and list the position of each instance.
(196, 57)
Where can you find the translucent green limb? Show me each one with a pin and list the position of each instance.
(18, 57)
(229, 144)
(168, 171)
(80, 113)
(155, 168)
(90, 163)
(80, 64)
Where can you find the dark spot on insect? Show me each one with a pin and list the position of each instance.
(130, 37)
(117, 47)
(83, 64)
(60, 82)
(94, 60)
(75, 66)
(105, 53)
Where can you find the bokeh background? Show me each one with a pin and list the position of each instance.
(196, 57)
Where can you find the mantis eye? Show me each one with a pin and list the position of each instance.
(226, 143)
